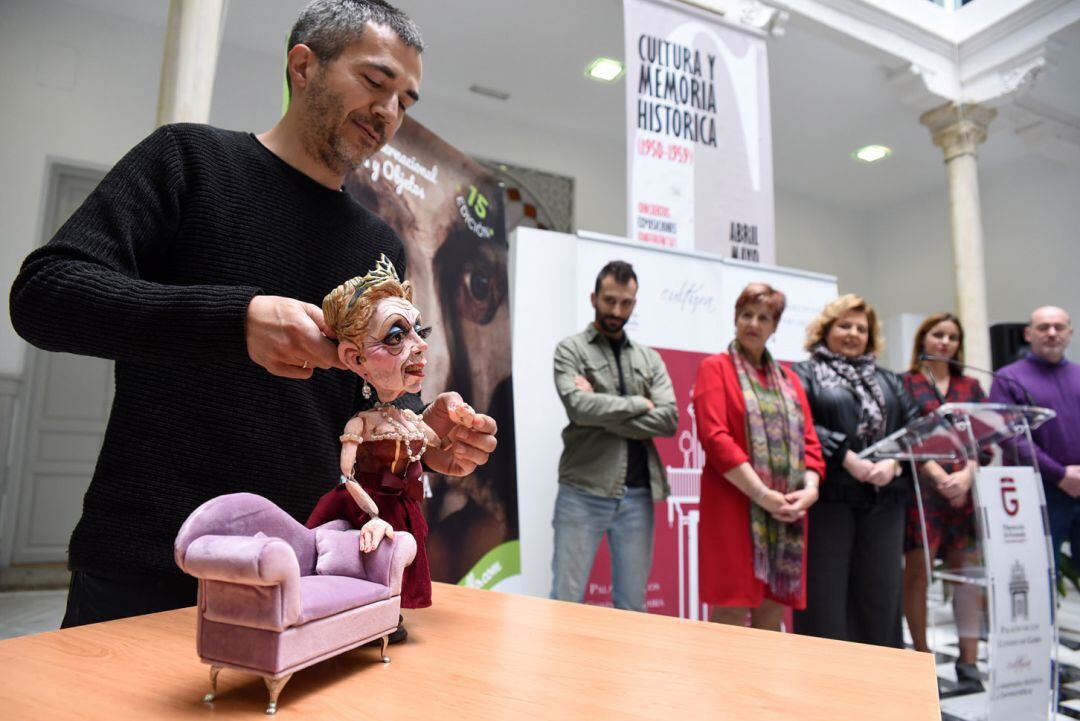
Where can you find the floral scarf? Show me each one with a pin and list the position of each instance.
(858, 375)
(775, 432)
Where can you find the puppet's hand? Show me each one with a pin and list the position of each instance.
(468, 436)
(372, 532)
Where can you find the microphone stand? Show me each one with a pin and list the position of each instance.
(993, 374)
(1015, 451)
(923, 357)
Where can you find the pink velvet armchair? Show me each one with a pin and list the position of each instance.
(276, 597)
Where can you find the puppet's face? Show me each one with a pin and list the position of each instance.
(393, 349)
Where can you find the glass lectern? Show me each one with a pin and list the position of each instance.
(1013, 535)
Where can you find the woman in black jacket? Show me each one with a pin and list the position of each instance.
(854, 572)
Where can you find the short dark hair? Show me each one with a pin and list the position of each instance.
(765, 294)
(620, 270)
(330, 26)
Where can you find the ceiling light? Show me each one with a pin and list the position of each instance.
(872, 153)
(490, 92)
(604, 69)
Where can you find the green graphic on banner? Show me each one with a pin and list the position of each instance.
(285, 95)
(498, 564)
(473, 210)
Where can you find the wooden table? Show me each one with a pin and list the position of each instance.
(479, 655)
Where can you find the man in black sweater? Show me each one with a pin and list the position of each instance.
(198, 265)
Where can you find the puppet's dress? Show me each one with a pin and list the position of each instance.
(398, 497)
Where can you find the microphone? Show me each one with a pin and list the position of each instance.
(933, 380)
(958, 364)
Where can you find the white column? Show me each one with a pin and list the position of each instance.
(958, 130)
(192, 40)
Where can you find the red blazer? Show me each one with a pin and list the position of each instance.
(725, 565)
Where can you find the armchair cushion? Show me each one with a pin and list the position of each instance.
(327, 595)
(339, 553)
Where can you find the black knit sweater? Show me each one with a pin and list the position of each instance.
(156, 271)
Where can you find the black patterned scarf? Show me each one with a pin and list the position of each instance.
(859, 375)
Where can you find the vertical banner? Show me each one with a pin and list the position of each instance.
(447, 209)
(698, 133)
(1021, 592)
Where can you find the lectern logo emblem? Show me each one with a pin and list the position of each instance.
(1009, 500)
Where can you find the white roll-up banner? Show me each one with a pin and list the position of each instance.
(698, 140)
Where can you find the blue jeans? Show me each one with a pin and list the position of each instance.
(1063, 512)
(580, 522)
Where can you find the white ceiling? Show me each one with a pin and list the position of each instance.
(830, 93)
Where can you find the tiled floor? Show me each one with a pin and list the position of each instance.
(959, 706)
(25, 612)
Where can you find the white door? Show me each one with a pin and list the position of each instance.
(62, 417)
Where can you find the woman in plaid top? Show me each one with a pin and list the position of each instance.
(950, 524)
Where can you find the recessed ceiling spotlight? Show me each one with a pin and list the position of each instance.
(872, 153)
(604, 69)
(490, 92)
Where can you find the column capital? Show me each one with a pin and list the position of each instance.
(958, 128)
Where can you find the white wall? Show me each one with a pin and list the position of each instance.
(815, 236)
(83, 85)
(248, 90)
(1031, 230)
(77, 85)
(901, 258)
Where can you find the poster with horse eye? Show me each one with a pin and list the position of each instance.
(448, 211)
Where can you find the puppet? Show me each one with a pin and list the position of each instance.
(381, 338)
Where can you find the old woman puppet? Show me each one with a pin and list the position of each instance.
(381, 338)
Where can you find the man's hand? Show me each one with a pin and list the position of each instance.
(1070, 483)
(471, 436)
(582, 383)
(289, 338)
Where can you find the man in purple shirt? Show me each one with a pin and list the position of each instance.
(1053, 382)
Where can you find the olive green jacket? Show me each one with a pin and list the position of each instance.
(594, 443)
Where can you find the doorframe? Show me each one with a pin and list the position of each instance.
(12, 474)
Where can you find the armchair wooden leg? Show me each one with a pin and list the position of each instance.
(214, 671)
(274, 686)
(382, 651)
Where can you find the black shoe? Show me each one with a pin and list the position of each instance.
(398, 635)
(968, 678)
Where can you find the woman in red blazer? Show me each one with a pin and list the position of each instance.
(763, 466)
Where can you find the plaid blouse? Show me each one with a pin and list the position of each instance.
(962, 389)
